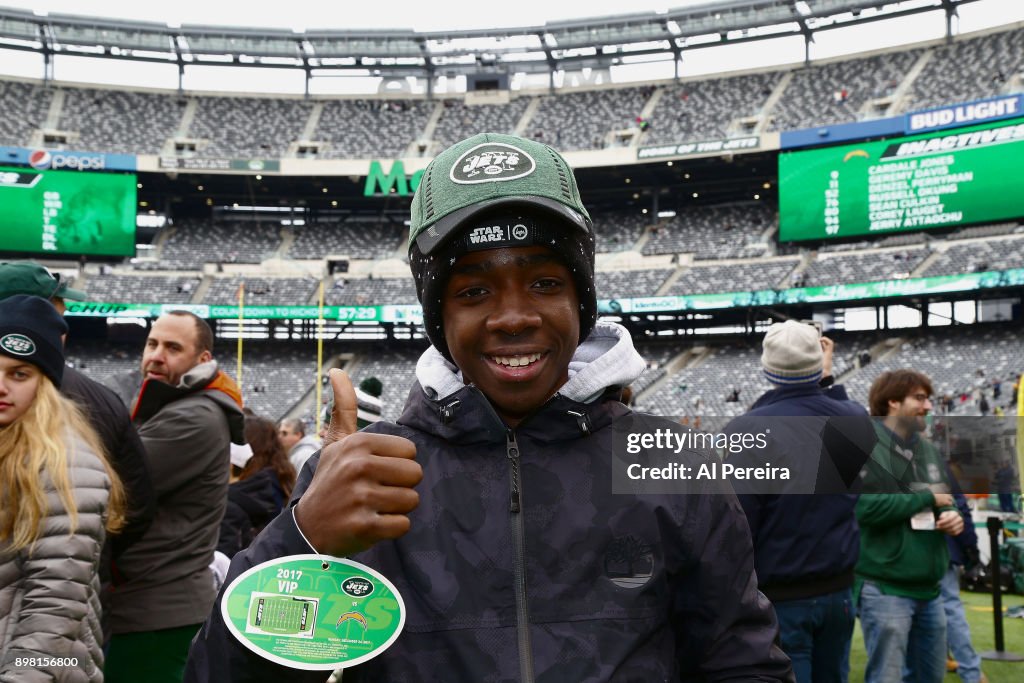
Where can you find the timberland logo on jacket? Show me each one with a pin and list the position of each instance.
(492, 162)
(18, 344)
(628, 562)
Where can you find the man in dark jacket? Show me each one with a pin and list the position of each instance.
(188, 412)
(489, 504)
(806, 546)
(106, 414)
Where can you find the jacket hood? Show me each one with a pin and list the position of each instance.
(205, 377)
(441, 404)
(606, 359)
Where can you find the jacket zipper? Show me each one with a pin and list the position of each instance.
(519, 564)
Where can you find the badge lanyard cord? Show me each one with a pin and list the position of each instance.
(324, 564)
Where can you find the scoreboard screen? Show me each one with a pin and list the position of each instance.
(67, 212)
(940, 179)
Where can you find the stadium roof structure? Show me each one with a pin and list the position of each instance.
(596, 43)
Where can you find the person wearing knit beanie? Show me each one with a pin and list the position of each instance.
(792, 354)
(31, 331)
(368, 404)
(822, 439)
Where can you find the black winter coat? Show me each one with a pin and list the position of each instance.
(252, 503)
(522, 565)
(109, 417)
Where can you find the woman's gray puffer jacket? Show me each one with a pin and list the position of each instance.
(49, 604)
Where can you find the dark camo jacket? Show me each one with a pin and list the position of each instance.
(618, 587)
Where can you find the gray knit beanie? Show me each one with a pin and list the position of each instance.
(792, 353)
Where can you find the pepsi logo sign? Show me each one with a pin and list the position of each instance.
(42, 159)
(39, 159)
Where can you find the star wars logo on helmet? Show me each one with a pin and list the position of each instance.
(492, 162)
(498, 233)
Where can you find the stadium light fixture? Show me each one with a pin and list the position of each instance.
(267, 209)
(666, 214)
(150, 221)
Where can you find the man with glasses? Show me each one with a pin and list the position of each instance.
(905, 512)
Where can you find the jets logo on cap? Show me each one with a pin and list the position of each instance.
(18, 344)
(492, 162)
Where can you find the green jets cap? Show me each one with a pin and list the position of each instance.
(488, 171)
(28, 277)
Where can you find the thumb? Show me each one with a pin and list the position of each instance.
(343, 414)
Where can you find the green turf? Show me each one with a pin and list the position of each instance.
(979, 616)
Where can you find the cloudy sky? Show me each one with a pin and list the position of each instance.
(414, 14)
(298, 14)
(424, 16)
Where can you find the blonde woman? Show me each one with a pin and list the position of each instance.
(58, 498)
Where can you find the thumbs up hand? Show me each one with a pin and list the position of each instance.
(344, 412)
(362, 491)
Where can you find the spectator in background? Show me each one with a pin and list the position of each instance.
(107, 415)
(1006, 479)
(261, 482)
(368, 402)
(60, 497)
(807, 570)
(291, 433)
(904, 511)
(268, 457)
(963, 555)
(187, 412)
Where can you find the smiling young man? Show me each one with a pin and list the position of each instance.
(489, 504)
(905, 513)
